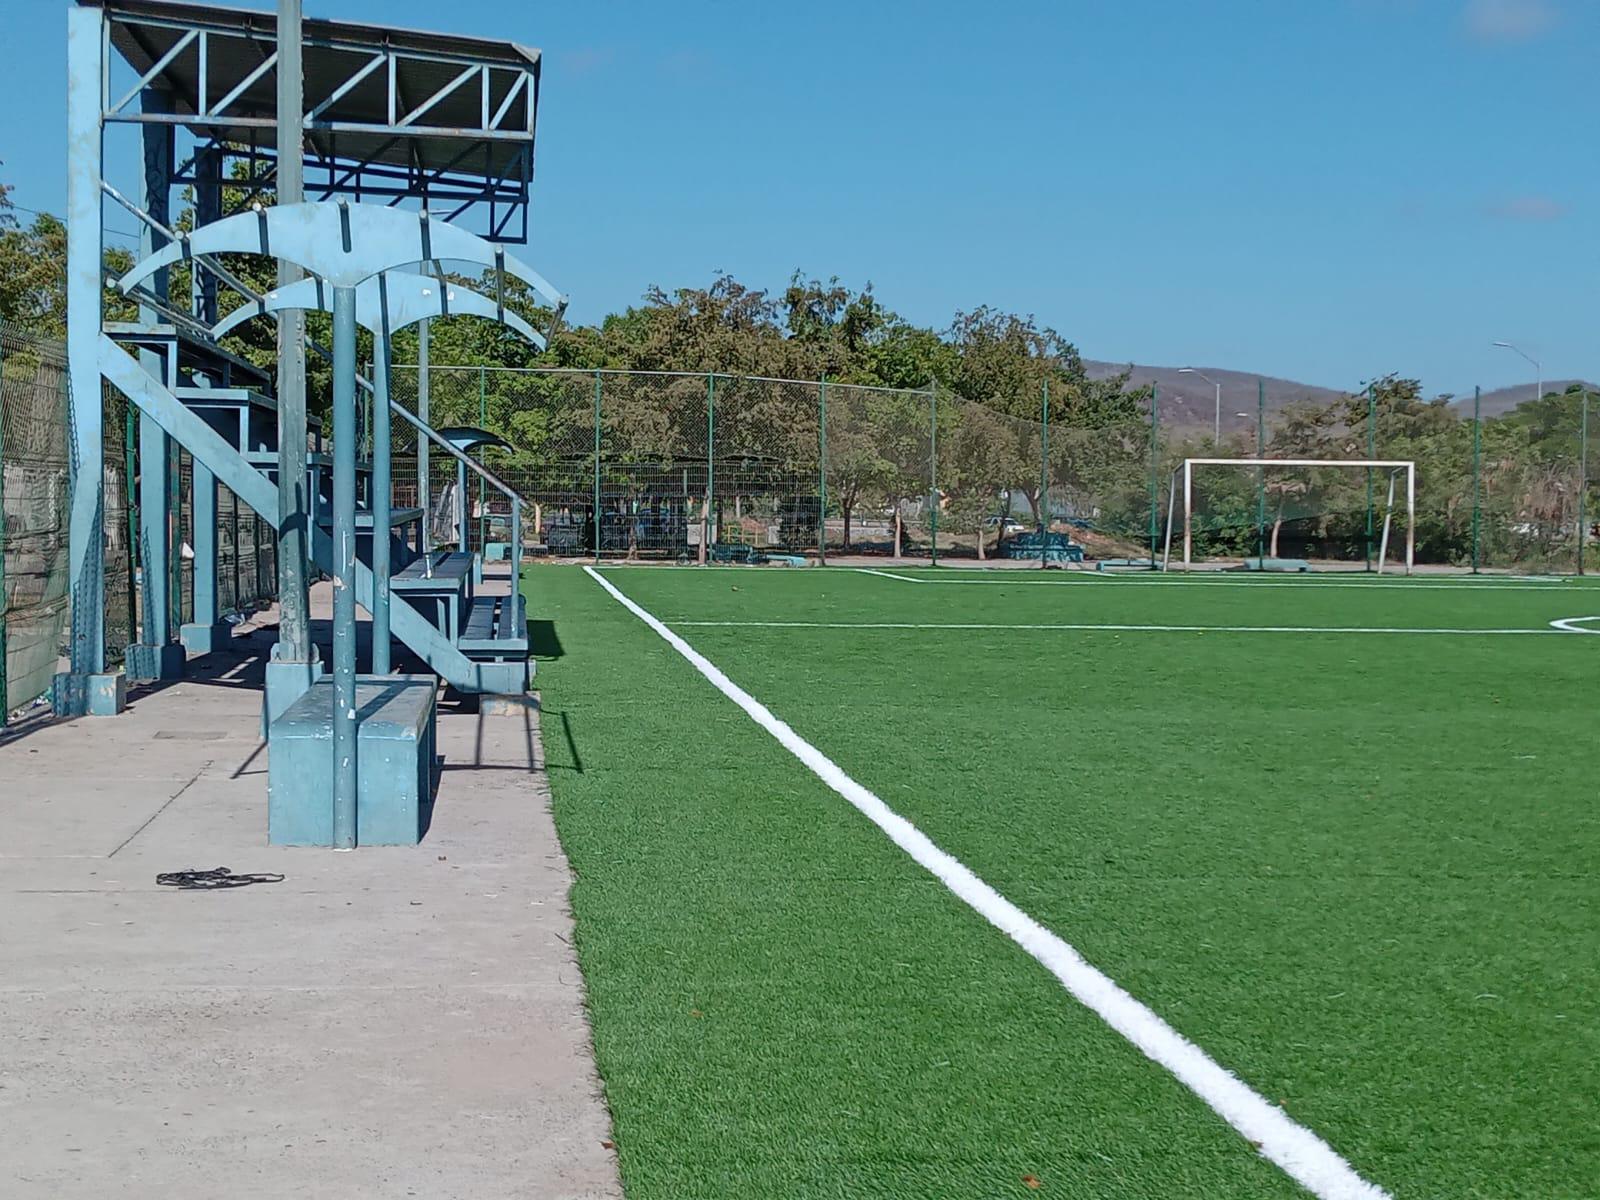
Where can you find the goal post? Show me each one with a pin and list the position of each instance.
(1181, 509)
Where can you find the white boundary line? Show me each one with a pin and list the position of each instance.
(1575, 624)
(1557, 627)
(1086, 578)
(1304, 1156)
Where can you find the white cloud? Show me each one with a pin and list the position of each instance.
(1500, 21)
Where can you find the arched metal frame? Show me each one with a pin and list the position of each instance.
(386, 303)
(344, 245)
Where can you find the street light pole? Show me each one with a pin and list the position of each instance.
(1216, 423)
(1538, 371)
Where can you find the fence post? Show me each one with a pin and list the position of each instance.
(1044, 479)
(1477, 458)
(5, 607)
(1261, 473)
(483, 454)
(1155, 469)
(1372, 452)
(822, 470)
(1583, 476)
(595, 522)
(711, 467)
(933, 471)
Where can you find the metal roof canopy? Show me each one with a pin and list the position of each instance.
(390, 113)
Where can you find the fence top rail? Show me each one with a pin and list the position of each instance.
(591, 372)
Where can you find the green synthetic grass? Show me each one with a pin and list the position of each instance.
(1358, 870)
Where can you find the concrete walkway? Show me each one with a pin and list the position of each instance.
(383, 1023)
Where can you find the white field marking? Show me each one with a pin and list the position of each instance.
(1558, 627)
(1304, 1156)
(1575, 624)
(1085, 578)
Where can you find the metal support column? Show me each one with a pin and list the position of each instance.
(153, 654)
(294, 659)
(1583, 476)
(382, 494)
(483, 453)
(345, 436)
(423, 498)
(86, 687)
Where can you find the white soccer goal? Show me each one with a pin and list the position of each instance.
(1183, 478)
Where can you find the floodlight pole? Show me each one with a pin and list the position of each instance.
(1261, 474)
(1216, 424)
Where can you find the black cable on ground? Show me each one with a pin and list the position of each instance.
(220, 877)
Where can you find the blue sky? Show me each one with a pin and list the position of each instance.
(1324, 190)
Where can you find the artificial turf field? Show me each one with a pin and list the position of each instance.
(1356, 869)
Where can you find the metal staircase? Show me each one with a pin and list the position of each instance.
(477, 643)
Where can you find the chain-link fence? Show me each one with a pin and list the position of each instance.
(34, 505)
(688, 466)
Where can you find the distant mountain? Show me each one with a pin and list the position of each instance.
(1502, 400)
(1188, 402)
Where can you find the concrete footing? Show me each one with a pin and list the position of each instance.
(286, 683)
(508, 705)
(203, 639)
(144, 663)
(99, 695)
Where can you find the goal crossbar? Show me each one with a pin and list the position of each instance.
(1393, 465)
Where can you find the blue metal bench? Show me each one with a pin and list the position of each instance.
(439, 585)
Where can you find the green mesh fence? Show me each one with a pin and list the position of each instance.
(34, 503)
(675, 465)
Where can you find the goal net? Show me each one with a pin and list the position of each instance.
(1292, 513)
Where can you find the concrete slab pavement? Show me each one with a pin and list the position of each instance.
(390, 1022)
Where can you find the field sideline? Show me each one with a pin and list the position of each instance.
(1347, 865)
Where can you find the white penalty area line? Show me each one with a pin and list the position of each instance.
(1089, 578)
(1556, 627)
(1301, 1154)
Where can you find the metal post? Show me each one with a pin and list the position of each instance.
(1372, 452)
(822, 471)
(1261, 474)
(709, 537)
(294, 534)
(1155, 471)
(344, 567)
(1044, 478)
(483, 453)
(1411, 516)
(423, 483)
(86, 573)
(595, 523)
(130, 469)
(1583, 476)
(382, 488)
(5, 702)
(155, 536)
(1188, 507)
(463, 531)
(174, 533)
(204, 510)
(933, 471)
(1477, 461)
